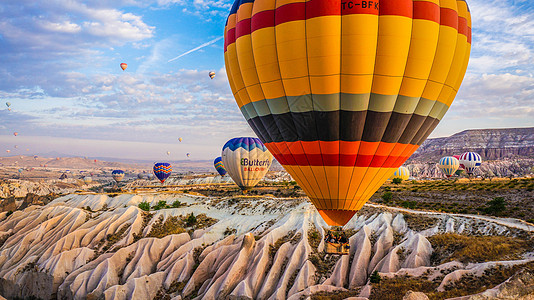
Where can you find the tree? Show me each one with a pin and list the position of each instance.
(496, 206)
(191, 220)
(375, 277)
(396, 180)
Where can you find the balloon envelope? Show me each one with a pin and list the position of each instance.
(124, 66)
(448, 165)
(15, 133)
(162, 171)
(118, 175)
(212, 75)
(471, 161)
(246, 160)
(342, 95)
(8, 104)
(180, 139)
(219, 166)
(87, 179)
(402, 173)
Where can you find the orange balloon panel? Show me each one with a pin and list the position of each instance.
(343, 92)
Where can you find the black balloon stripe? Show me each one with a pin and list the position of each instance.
(350, 126)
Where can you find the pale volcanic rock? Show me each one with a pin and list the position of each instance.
(92, 245)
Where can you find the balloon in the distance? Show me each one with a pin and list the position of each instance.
(168, 152)
(15, 133)
(162, 171)
(458, 158)
(219, 166)
(448, 165)
(87, 179)
(188, 154)
(20, 170)
(180, 139)
(8, 151)
(402, 173)
(124, 66)
(118, 175)
(471, 161)
(343, 95)
(212, 75)
(246, 160)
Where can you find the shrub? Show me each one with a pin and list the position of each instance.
(375, 277)
(144, 206)
(409, 204)
(396, 180)
(387, 196)
(161, 204)
(191, 220)
(176, 204)
(496, 206)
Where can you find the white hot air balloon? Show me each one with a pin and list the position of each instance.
(247, 160)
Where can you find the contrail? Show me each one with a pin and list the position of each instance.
(197, 48)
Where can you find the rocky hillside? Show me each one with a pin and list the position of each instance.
(491, 144)
(192, 247)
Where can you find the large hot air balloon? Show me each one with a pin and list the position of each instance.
(87, 179)
(402, 173)
(118, 175)
(219, 166)
(246, 160)
(212, 75)
(448, 165)
(124, 66)
(162, 171)
(470, 161)
(342, 93)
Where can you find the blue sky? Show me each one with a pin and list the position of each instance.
(59, 68)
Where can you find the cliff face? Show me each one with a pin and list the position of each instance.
(491, 144)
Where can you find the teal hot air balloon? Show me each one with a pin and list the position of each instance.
(247, 160)
(162, 171)
(118, 175)
(449, 165)
(219, 166)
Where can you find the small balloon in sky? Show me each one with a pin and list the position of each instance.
(212, 75)
(15, 133)
(8, 104)
(188, 154)
(180, 139)
(124, 66)
(168, 152)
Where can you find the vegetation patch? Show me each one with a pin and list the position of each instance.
(173, 225)
(337, 295)
(450, 247)
(420, 222)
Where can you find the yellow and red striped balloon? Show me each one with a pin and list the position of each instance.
(342, 92)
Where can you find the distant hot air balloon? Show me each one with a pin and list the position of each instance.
(471, 161)
(458, 158)
(188, 154)
(95, 160)
(246, 160)
(8, 151)
(448, 165)
(141, 176)
(219, 166)
(27, 149)
(342, 95)
(87, 179)
(8, 104)
(180, 139)
(402, 173)
(16, 146)
(168, 152)
(118, 175)
(162, 171)
(35, 157)
(212, 75)
(57, 158)
(20, 170)
(124, 66)
(15, 133)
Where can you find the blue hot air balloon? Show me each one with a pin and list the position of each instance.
(118, 175)
(162, 171)
(219, 166)
(448, 165)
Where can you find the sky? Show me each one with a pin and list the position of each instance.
(59, 69)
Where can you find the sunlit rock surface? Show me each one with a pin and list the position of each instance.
(93, 245)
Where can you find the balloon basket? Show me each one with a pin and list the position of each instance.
(337, 248)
